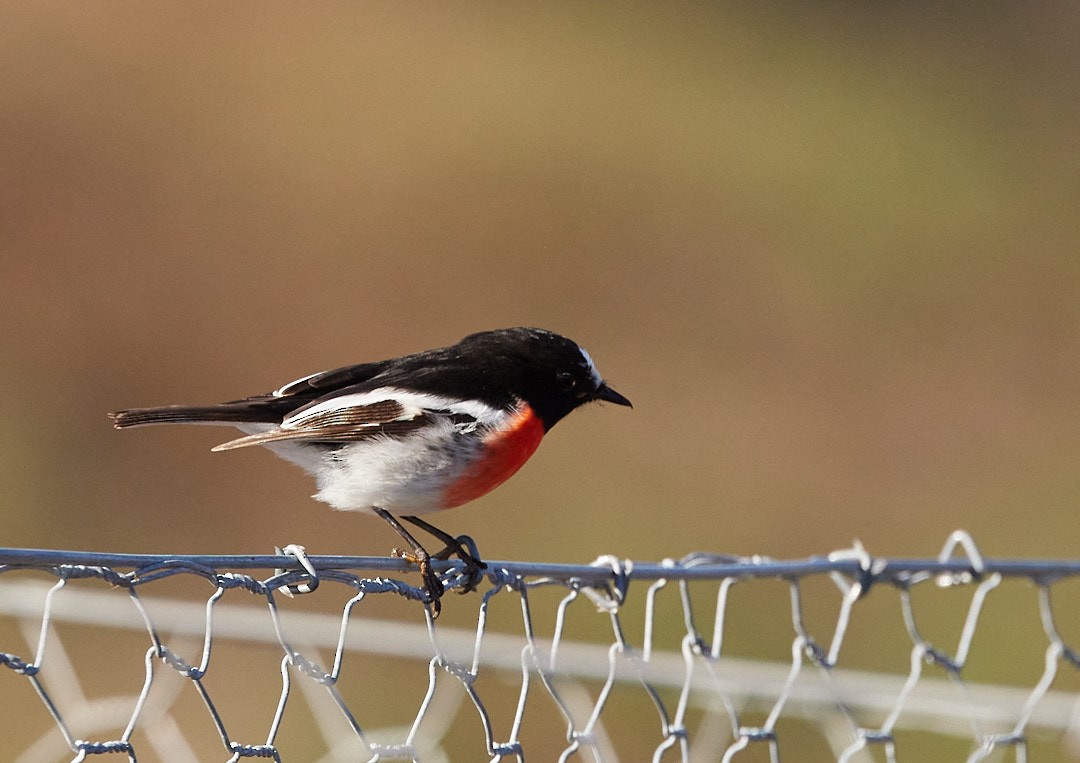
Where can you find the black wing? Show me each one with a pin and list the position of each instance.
(344, 424)
(270, 408)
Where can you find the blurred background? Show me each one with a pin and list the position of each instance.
(828, 250)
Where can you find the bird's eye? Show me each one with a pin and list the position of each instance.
(566, 381)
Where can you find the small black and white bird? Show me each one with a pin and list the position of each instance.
(414, 434)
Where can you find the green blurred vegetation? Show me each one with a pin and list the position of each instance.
(828, 250)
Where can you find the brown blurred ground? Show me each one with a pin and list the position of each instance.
(829, 251)
(831, 255)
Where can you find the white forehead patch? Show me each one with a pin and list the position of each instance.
(592, 367)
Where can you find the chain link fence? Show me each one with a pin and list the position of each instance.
(842, 657)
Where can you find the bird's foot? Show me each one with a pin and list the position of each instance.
(464, 548)
(433, 587)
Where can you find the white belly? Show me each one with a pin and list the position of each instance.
(402, 475)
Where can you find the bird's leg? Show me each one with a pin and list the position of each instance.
(419, 556)
(462, 547)
(454, 546)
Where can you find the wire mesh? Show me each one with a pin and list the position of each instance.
(667, 638)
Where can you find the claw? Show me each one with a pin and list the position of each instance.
(433, 587)
(463, 547)
(416, 554)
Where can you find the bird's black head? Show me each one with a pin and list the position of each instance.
(552, 373)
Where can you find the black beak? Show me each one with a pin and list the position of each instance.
(607, 394)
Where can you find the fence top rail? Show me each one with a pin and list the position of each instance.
(671, 644)
(693, 567)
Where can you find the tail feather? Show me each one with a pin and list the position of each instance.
(182, 414)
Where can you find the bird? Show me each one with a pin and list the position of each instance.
(415, 434)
